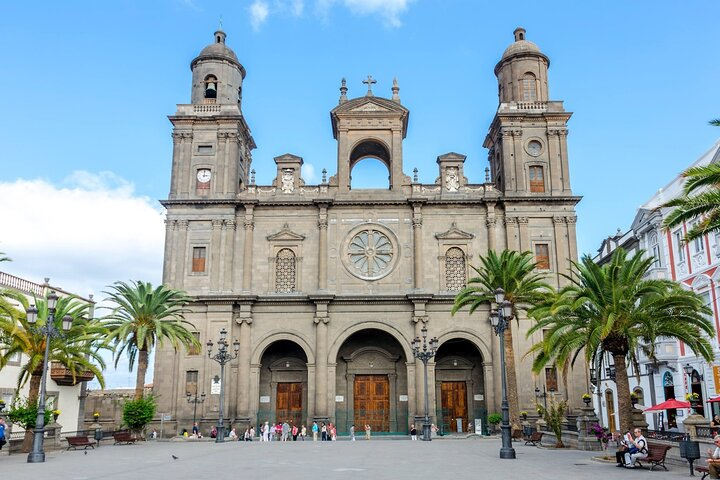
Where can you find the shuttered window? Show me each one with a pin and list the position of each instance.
(198, 260)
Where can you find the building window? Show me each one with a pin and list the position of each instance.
(529, 88)
(537, 180)
(454, 269)
(551, 379)
(698, 243)
(639, 395)
(195, 349)
(191, 382)
(679, 245)
(198, 261)
(542, 256)
(285, 273)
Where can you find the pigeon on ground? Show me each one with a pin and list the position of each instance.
(85, 452)
(174, 457)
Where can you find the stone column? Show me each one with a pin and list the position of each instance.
(513, 242)
(563, 153)
(182, 252)
(490, 222)
(692, 422)
(586, 440)
(244, 319)
(323, 241)
(233, 157)
(518, 167)
(321, 320)
(417, 246)
(176, 159)
(185, 175)
(167, 256)
(420, 321)
(508, 175)
(572, 237)
(215, 253)
(219, 184)
(523, 231)
(562, 263)
(249, 224)
(228, 236)
(554, 173)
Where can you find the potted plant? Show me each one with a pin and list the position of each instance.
(56, 414)
(633, 398)
(586, 398)
(96, 416)
(494, 420)
(524, 415)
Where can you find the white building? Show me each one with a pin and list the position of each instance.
(63, 393)
(695, 265)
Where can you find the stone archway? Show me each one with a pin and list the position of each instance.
(460, 391)
(371, 383)
(283, 384)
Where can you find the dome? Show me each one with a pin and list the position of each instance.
(521, 46)
(218, 51)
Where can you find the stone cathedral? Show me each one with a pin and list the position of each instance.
(325, 286)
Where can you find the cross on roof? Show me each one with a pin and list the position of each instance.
(369, 82)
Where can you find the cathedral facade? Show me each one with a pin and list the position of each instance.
(325, 286)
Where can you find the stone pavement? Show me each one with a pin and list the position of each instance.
(376, 459)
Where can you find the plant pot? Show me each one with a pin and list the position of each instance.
(55, 417)
(587, 401)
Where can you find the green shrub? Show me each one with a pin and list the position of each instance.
(23, 414)
(138, 413)
(494, 418)
(553, 416)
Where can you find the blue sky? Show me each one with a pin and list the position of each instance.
(87, 86)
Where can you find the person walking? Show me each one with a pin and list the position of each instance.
(195, 429)
(295, 432)
(368, 429)
(315, 431)
(637, 449)
(323, 432)
(285, 431)
(413, 432)
(252, 432)
(303, 432)
(352, 432)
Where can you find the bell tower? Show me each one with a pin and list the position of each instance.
(369, 126)
(527, 140)
(212, 143)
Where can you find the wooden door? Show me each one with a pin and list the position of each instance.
(372, 402)
(454, 404)
(288, 404)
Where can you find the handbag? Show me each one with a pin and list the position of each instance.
(633, 449)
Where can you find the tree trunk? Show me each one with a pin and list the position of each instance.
(33, 395)
(141, 370)
(623, 393)
(512, 393)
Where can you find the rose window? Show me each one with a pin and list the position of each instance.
(370, 253)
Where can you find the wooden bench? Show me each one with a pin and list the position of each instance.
(656, 456)
(517, 434)
(84, 441)
(704, 470)
(534, 439)
(125, 438)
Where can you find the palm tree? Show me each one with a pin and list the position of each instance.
(700, 199)
(515, 273)
(144, 316)
(613, 308)
(77, 350)
(3, 258)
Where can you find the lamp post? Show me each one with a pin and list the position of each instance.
(424, 353)
(37, 455)
(499, 319)
(542, 395)
(195, 400)
(222, 357)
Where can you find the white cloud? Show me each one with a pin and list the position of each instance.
(259, 11)
(389, 10)
(308, 173)
(84, 234)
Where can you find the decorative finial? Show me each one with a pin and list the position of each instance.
(252, 177)
(369, 82)
(221, 23)
(395, 90)
(415, 175)
(324, 171)
(343, 91)
(519, 34)
(487, 174)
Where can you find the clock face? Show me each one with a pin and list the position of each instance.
(204, 175)
(534, 148)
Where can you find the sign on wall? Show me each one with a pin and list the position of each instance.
(265, 399)
(215, 387)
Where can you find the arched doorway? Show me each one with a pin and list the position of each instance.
(283, 385)
(459, 386)
(696, 387)
(669, 391)
(371, 383)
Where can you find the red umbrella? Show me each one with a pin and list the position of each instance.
(714, 400)
(668, 405)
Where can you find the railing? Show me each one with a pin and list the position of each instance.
(20, 284)
(707, 432)
(532, 106)
(206, 108)
(664, 435)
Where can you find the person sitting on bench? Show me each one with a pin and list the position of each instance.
(637, 449)
(714, 459)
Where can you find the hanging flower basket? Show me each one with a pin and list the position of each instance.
(586, 398)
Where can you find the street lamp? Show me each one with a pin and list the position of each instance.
(195, 402)
(222, 357)
(542, 395)
(37, 455)
(499, 319)
(611, 372)
(424, 353)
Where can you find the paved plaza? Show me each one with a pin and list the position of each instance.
(376, 459)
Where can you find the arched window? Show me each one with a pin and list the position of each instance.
(454, 269)
(285, 273)
(211, 84)
(529, 88)
(639, 395)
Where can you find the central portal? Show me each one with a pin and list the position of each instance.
(289, 402)
(372, 402)
(454, 405)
